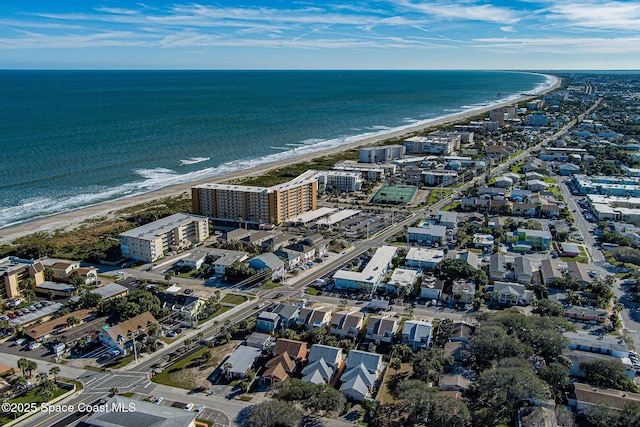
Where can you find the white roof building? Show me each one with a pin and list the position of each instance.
(371, 276)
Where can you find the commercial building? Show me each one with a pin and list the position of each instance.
(429, 235)
(256, 205)
(120, 411)
(120, 337)
(149, 242)
(382, 154)
(371, 276)
(421, 258)
(622, 186)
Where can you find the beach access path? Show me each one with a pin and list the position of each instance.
(74, 218)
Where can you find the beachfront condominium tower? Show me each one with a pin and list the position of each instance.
(256, 205)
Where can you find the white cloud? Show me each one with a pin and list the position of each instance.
(596, 15)
(507, 29)
(564, 45)
(463, 12)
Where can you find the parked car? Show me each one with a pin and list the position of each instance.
(158, 400)
(188, 406)
(34, 345)
(20, 341)
(199, 409)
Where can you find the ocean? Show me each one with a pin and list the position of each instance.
(70, 139)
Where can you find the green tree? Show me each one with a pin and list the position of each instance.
(608, 374)
(22, 365)
(113, 391)
(556, 375)
(54, 371)
(88, 300)
(548, 307)
(500, 390)
(395, 364)
(427, 365)
(273, 413)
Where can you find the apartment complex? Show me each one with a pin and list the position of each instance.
(256, 205)
(442, 145)
(14, 270)
(382, 154)
(149, 242)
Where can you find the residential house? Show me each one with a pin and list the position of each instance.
(65, 271)
(496, 151)
(267, 322)
(416, 334)
(362, 371)
(550, 210)
(291, 259)
(578, 272)
(538, 239)
(108, 291)
(431, 288)
(462, 332)
(315, 316)
(324, 363)
(534, 175)
(288, 313)
(319, 243)
(297, 350)
(383, 328)
(307, 253)
(483, 241)
(536, 185)
(240, 361)
(512, 293)
(278, 241)
(120, 336)
(347, 324)
(458, 380)
(471, 258)
(463, 291)
(184, 306)
(523, 209)
(503, 182)
(278, 369)
(270, 261)
(519, 195)
(523, 271)
(497, 267)
(448, 218)
(257, 238)
(550, 272)
(259, 340)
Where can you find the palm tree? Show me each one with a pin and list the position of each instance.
(42, 377)
(22, 365)
(227, 367)
(54, 371)
(31, 366)
(113, 391)
(72, 321)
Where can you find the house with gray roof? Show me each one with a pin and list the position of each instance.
(241, 361)
(523, 271)
(550, 271)
(497, 267)
(471, 258)
(427, 235)
(362, 371)
(259, 340)
(347, 324)
(511, 293)
(603, 344)
(270, 261)
(383, 328)
(417, 334)
(448, 218)
(288, 313)
(267, 322)
(324, 362)
(578, 272)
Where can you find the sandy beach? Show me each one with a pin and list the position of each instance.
(74, 218)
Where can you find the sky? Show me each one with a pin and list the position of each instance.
(393, 34)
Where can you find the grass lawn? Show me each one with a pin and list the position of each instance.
(549, 180)
(169, 377)
(223, 309)
(436, 195)
(271, 285)
(311, 291)
(31, 397)
(391, 378)
(233, 299)
(451, 207)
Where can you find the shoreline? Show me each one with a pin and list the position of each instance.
(74, 218)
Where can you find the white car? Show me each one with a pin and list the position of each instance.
(188, 406)
(34, 345)
(199, 409)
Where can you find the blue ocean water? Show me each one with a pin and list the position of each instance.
(75, 138)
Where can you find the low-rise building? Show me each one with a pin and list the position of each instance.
(416, 334)
(428, 235)
(119, 412)
(268, 261)
(463, 291)
(362, 371)
(372, 274)
(550, 271)
(587, 396)
(324, 363)
(606, 344)
(423, 259)
(587, 314)
(383, 328)
(240, 362)
(347, 323)
(267, 322)
(511, 293)
(431, 288)
(120, 337)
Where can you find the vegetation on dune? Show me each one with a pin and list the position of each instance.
(95, 239)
